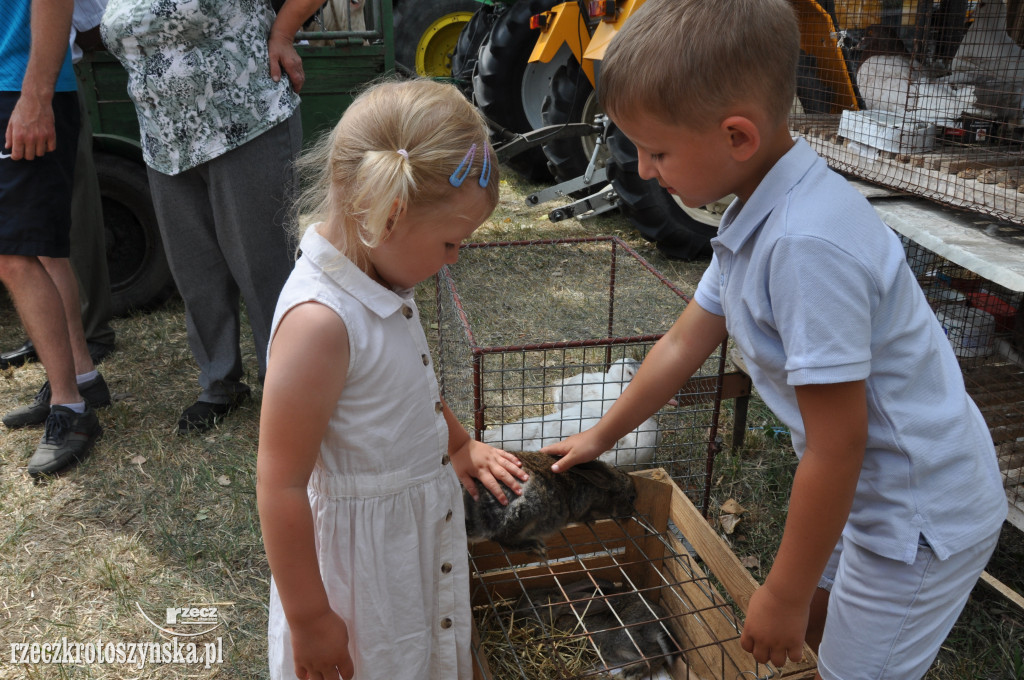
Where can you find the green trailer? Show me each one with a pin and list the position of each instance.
(337, 65)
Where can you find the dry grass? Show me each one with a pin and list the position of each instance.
(153, 520)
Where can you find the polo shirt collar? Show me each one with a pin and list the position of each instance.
(741, 220)
(380, 300)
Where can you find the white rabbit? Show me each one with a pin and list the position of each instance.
(532, 434)
(594, 386)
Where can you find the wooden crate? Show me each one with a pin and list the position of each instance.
(648, 553)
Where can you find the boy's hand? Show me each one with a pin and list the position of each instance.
(476, 460)
(774, 628)
(579, 448)
(320, 649)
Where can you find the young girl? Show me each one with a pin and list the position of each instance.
(359, 458)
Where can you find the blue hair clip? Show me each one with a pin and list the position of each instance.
(485, 171)
(462, 172)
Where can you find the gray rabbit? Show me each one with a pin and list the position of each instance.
(626, 627)
(549, 502)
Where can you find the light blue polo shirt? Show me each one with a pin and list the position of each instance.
(815, 289)
(15, 41)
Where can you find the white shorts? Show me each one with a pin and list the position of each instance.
(887, 619)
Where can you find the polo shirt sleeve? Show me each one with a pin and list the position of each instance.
(709, 293)
(822, 299)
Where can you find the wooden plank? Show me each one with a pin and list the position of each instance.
(652, 501)
(704, 623)
(701, 390)
(722, 561)
(574, 539)
(1003, 589)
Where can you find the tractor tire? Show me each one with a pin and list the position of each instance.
(468, 45)
(651, 209)
(139, 276)
(426, 32)
(510, 90)
(571, 100)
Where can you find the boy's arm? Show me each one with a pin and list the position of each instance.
(476, 460)
(305, 378)
(30, 130)
(835, 420)
(669, 364)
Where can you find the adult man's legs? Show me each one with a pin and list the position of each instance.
(88, 255)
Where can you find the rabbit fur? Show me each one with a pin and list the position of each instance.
(549, 502)
(594, 386)
(623, 624)
(636, 448)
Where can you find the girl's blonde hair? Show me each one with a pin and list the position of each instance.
(688, 61)
(399, 141)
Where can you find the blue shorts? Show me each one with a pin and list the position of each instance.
(35, 196)
(887, 619)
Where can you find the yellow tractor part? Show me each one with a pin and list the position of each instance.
(607, 30)
(818, 38)
(564, 25)
(437, 44)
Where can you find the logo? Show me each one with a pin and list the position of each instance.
(191, 620)
(4, 155)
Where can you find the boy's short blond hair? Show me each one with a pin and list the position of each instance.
(689, 61)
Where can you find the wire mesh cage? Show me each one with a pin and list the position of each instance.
(923, 96)
(985, 325)
(537, 339)
(617, 598)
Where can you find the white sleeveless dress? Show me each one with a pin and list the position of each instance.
(387, 506)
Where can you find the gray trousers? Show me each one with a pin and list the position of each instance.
(223, 226)
(88, 240)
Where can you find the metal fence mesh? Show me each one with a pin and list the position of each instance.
(923, 96)
(615, 596)
(516, 320)
(985, 325)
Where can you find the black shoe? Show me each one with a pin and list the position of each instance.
(203, 415)
(19, 356)
(68, 438)
(95, 393)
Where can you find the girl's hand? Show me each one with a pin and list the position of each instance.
(320, 648)
(774, 628)
(476, 460)
(579, 448)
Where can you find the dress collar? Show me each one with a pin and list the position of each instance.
(380, 300)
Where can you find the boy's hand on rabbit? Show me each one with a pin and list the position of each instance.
(579, 448)
(775, 628)
(320, 648)
(492, 467)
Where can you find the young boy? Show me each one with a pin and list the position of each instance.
(897, 502)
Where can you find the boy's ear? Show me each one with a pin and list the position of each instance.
(744, 137)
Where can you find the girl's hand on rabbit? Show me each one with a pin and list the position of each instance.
(579, 448)
(320, 648)
(492, 467)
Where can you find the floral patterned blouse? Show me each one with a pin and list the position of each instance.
(199, 74)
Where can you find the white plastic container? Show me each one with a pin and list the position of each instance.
(898, 133)
(969, 330)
